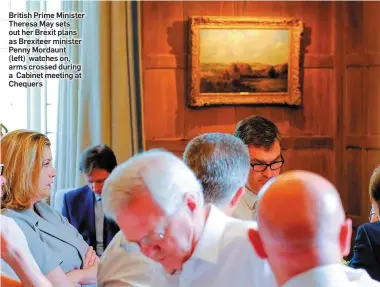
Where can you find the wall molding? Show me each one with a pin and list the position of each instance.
(363, 60)
(362, 141)
(289, 143)
(171, 61)
(311, 61)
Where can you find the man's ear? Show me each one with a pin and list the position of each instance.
(237, 197)
(257, 243)
(345, 237)
(190, 201)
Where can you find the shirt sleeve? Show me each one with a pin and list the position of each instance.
(121, 266)
(118, 268)
(40, 251)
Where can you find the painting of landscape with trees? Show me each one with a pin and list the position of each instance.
(233, 61)
(244, 60)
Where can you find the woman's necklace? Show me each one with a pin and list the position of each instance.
(254, 205)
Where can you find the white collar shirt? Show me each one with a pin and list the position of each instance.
(334, 275)
(247, 206)
(224, 257)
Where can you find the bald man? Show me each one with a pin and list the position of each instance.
(306, 243)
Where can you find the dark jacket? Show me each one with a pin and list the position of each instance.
(367, 249)
(78, 208)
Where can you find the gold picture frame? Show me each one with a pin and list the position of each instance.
(222, 53)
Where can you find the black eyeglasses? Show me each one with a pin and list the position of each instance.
(260, 167)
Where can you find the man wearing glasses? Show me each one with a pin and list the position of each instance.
(83, 207)
(264, 143)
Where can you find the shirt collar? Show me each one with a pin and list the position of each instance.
(250, 197)
(31, 215)
(97, 197)
(208, 246)
(327, 275)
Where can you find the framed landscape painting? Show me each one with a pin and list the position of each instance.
(244, 61)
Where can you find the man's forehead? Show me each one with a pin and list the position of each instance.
(97, 173)
(142, 205)
(264, 154)
(140, 217)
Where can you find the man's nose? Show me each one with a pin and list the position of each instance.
(268, 172)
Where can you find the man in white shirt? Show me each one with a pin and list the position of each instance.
(304, 233)
(264, 143)
(219, 161)
(158, 204)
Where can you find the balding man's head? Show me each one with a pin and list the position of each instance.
(299, 208)
(300, 212)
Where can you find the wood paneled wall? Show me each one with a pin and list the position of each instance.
(336, 131)
(361, 105)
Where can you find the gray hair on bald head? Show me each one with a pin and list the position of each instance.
(157, 172)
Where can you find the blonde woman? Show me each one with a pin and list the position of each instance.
(367, 242)
(59, 250)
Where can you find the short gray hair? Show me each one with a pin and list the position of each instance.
(158, 172)
(221, 162)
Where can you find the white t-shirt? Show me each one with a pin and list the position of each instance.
(14, 233)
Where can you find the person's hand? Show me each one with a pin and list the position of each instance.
(90, 258)
(8, 251)
(3, 181)
(74, 278)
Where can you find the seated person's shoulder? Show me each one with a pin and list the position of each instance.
(121, 263)
(236, 251)
(83, 190)
(235, 238)
(370, 228)
(115, 243)
(237, 229)
(119, 248)
(372, 225)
